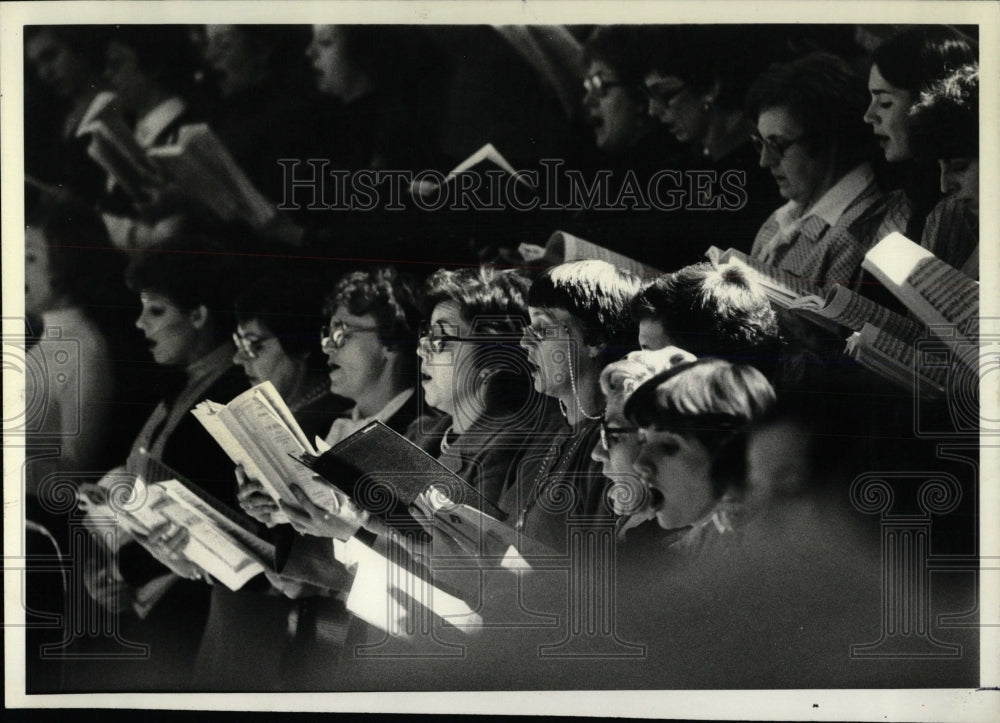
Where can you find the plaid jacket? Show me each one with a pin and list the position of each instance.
(830, 255)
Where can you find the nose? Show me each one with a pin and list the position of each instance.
(949, 184)
(140, 322)
(599, 453)
(870, 117)
(422, 349)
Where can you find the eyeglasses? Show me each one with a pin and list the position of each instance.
(436, 342)
(778, 148)
(249, 346)
(611, 436)
(549, 332)
(657, 92)
(599, 86)
(336, 334)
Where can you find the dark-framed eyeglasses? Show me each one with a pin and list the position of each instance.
(662, 93)
(777, 148)
(436, 341)
(336, 334)
(600, 86)
(249, 346)
(550, 332)
(611, 436)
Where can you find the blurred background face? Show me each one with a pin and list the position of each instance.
(358, 365)
(125, 77)
(447, 376)
(553, 342)
(960, 179)
(677, 107)
(39, 296)
(170, 331)
(886, 115)
(800, 175)
(676, 468)
(58, 67)
(615, 116)
(237, 61)
(263, 358)
(334, 73)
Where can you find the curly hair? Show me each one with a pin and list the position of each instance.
(390, 297)
(494, 304)
(944, 123)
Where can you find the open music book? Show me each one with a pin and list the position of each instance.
(563, 247)
(225, 544)
(114, 148)
(897, 361)
(843, 307)
(486, 159)
(207, 173)
(781, 287)
(939, 295)
(385, 473)
(259, 432)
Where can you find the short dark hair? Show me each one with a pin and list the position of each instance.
(710, 311)
(712, 400)
(915, 58)
(191, 270)
(617, 46)
(827, 98)
(944, 123)
(390, 297)
(292, 313)
(598, 294)
(495, 304)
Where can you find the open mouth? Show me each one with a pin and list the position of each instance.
(334, 368)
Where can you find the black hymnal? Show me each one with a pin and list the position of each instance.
(384, 473)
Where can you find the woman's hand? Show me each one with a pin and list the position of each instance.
(310, 519)
(167, 542)
(254, 500)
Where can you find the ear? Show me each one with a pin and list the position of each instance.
(595, 350)
(199, 317)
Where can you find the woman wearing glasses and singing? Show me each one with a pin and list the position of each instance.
(811, 137)
(474, 370)
(696, 79)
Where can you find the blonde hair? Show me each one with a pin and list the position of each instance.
(621, 378)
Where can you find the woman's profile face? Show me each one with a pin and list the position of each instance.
(677, 471)
(238, 62)
(555, 345)
(886, 115)
(677, 107)
(617, 451)
(172, 333)
(263, 358)
(39, 295)
(329, 59)
(446, 369)
(801, 176)
(617, 119)
(960, 180)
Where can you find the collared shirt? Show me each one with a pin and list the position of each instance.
(344, 427)
(825, 213)
(157, 120)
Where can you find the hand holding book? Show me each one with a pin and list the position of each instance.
(340, 520)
